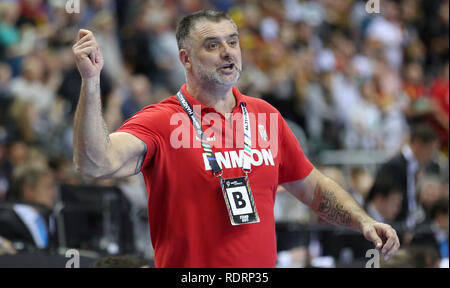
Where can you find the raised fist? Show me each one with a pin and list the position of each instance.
(88, 56)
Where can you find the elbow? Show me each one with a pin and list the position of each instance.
(83, 171)
(89, 171)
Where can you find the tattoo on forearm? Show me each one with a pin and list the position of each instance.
(333, 211)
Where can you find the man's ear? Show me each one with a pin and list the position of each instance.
(185, 58)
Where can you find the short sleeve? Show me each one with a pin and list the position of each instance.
(143, 126)
(294, 165)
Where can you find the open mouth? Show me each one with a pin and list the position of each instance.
(228, 67)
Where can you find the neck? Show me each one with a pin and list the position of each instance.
(219, 97)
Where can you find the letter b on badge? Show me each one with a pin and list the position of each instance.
(239, 200)
(237, 197)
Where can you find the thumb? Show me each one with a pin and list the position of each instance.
(372, 235)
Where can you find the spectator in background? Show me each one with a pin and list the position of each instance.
(419, 105)
(104, 26)
(93, 8)
(417, 256)
(18, 152)
(5, 102)
(361, 182)
(33, 12)
(436, 234)
(135, 43)
(33, 193)
(344, 86)
(404, 168)
(429, 193)
(26, 124)
(440, 103)
(5, 165)
(320, 108)
(69, 88)
(436, 32)
(64, 172)
(25, 118)
(62, 25)
(384, 201)
(365, 120)
(31, 86)
(163, 48)
(386, 31)
(139, 96)
(9, 32)
(34, 185)
(5, 93)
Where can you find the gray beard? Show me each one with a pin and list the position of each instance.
(214, 76)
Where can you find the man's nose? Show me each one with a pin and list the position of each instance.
(226, 52)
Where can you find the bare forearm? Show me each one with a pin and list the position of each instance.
(336, 206)
(91, 137)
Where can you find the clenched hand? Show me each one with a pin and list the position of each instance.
(88, 57)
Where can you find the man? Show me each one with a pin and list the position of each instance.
(196, 219)
(28, 218)
(435, 232)
(384, 201)
(404, 169)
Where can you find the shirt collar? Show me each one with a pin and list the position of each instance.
(239, 97)
(409, 156)
(193, 101)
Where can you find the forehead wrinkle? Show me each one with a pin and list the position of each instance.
(212, 38)
(203, 30)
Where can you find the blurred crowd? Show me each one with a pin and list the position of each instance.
(347, 79)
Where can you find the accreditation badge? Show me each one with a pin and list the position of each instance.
(240, 204)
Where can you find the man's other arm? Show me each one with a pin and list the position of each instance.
(96, 152)
(336, 206)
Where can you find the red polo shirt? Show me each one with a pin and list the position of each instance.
(189, 222)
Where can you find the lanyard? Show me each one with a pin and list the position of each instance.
(217, 171)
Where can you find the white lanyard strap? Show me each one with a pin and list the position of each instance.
(247, 165)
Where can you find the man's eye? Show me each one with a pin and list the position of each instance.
(233, 43)
(212, 46)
